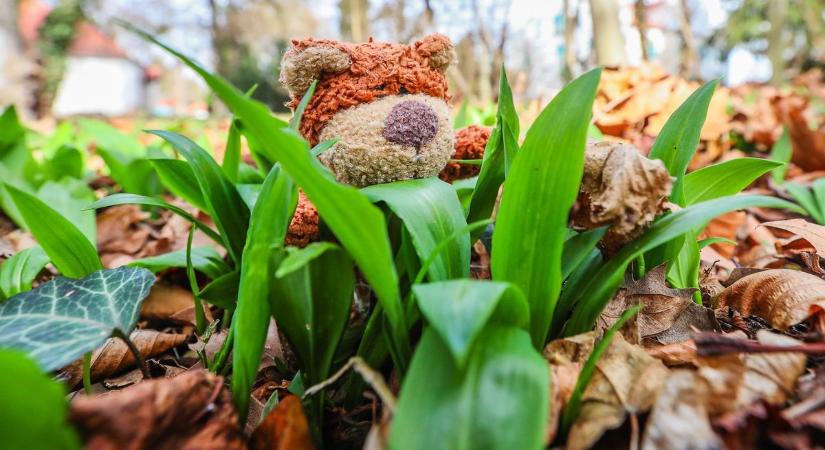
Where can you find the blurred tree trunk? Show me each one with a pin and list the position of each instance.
(13, 86)
(814, 27)
(640, 15)
(690, 52)
(607, 33)
(777, 13)
(570, 22)
(355, 20)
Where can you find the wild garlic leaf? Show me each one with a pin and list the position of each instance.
(61, 320)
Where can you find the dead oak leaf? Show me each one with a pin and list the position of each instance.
(811, 232)
(668, 315)
(285, 428)
(622, 188)
(626, 381)
(783, 297)
(565, 357)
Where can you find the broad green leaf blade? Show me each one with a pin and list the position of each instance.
(178, 178)
(807, 200)
(298, 114)
(499, 152)
(204, 259)
(262, 253)
(69, 250)
(459, 309)
(298, 258)
(61, 320)
(232, 155)
(725, 178)
(679, 138)
(431, 212)
(358, 225)
(222, 200)
(311, 304)
(592, 293)
(222, 291)
(69, 198)
(541, 188)
(35, 410)
(18, 272)
(442, 407)
(571, 410)
(782, 152)
(134, 199)
(683, 271)
(577, 248)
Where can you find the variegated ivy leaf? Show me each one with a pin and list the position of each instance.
(61, 320)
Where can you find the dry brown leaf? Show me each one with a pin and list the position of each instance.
(811, 232)
(622, 188)
(165, 301)
(285, 428)
(114, 356)
(667, 316)
(783, 297)
(679, 419)
(191, 411)
(676, 354)
(808, 144)
(725, 226)
(626, 381)
(565, 357)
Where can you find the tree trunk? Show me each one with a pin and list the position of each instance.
(355, 19)
(777, 13)
(14, 66)
(690, 53)
(607, 33)
(640, 15)
(570, 21)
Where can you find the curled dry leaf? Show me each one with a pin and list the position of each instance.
(285, 428)
(676, 354)
(114, 356)
(811, 232)
(565, 357)
(166, 302)
(808, 144)
(679, 420)
(190, 411)
(668, 315)
(621, 188)
(783, 297)
(626, 381)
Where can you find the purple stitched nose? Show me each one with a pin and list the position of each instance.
(411, 123)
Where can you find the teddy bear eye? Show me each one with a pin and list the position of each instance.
(403, 91)
(380, 87)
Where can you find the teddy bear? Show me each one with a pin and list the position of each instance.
(386, 106)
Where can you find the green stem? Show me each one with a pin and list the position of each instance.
(87, 373)
(135, 352)
(219, 362)
(200, 316)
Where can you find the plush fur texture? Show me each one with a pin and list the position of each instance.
(469, 144)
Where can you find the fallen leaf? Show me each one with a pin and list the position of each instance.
(679, 419)
(808, 144)
(626, 382)
(811, 232)
(114, 356)
(622, 188)
(676, 354)
(783, 297)
(565, 357)
(668, 315)
(191, 411)
(285, 428)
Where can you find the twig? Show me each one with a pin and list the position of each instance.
(135, 352)
(714, 344)
(371, 376)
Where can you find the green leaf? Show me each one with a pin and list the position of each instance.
(499, 401)
(261, 255)
(69, 198)
(134, 199)
(108, 137)
(298, 114)
(298, 258)
(430, 211)
(222, 200)
(66, 162)
(35, 409)
(577, 248)
(134, 173)
(679, 138)
(69, 250)
(542, 186)
(715, 240)
(806, 199)
(725, 178)
(178, 178)
(458, 310)
(204, 259)
(571, 410)
(311, 303)
(357, 224)
(499, 152)
(232, 155)
(782, 152)
(58, 322)
(592, 293)
(222, 291)
(18, 272)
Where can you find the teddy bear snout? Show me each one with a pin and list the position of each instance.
(411, 123)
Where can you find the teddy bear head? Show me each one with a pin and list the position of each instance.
(384, 103)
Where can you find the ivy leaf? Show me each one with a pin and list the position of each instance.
(61, 320)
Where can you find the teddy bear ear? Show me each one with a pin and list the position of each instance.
(300, 67)
(437, 50)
